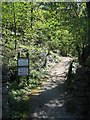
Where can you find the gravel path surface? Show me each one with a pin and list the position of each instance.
(49, 100)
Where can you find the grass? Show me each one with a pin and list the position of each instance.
(19, 99)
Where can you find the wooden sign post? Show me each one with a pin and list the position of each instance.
(23, 67)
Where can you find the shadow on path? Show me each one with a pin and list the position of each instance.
(50, 104)
(49, 98)
(50, 101)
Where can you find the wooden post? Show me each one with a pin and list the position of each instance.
(18, 78)
(18, 54)
(69, 76)
(28, 68)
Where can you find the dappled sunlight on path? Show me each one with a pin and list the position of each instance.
(48, 101)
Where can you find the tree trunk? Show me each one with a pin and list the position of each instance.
(31, 14)
(88, 18)
(86, 51)
(14, 19)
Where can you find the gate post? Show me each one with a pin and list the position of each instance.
(5, 77)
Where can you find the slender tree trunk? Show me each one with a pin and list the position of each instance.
(14, 18)
(31, 14)
(88, 18)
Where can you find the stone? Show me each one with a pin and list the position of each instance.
(88, 62)
(5, 109)
(82, 70)
(5, 69)
(81, 84)
(4, 78)
(4, 90)
(81, 90)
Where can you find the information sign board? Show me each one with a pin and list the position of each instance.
(23, 71)
(23, 66)
(23, 61)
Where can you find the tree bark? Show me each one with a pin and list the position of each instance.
(86, 51)
(88, 20)
(14, 19)
(31, 14)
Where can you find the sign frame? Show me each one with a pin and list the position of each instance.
(23, 74)
(27, 66)
(23, 66)
(23, 58)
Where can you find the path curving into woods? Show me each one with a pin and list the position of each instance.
(48, 101)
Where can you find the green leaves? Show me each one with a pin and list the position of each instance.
(54, 25)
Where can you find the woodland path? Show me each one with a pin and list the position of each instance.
(48, 101)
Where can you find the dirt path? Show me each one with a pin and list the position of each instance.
(48, 101)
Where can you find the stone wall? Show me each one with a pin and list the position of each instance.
(0, 91)
(5, 109)
(82, 91)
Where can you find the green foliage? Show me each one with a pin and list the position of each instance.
(54, 25)
(43, 29)
(18, 105)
